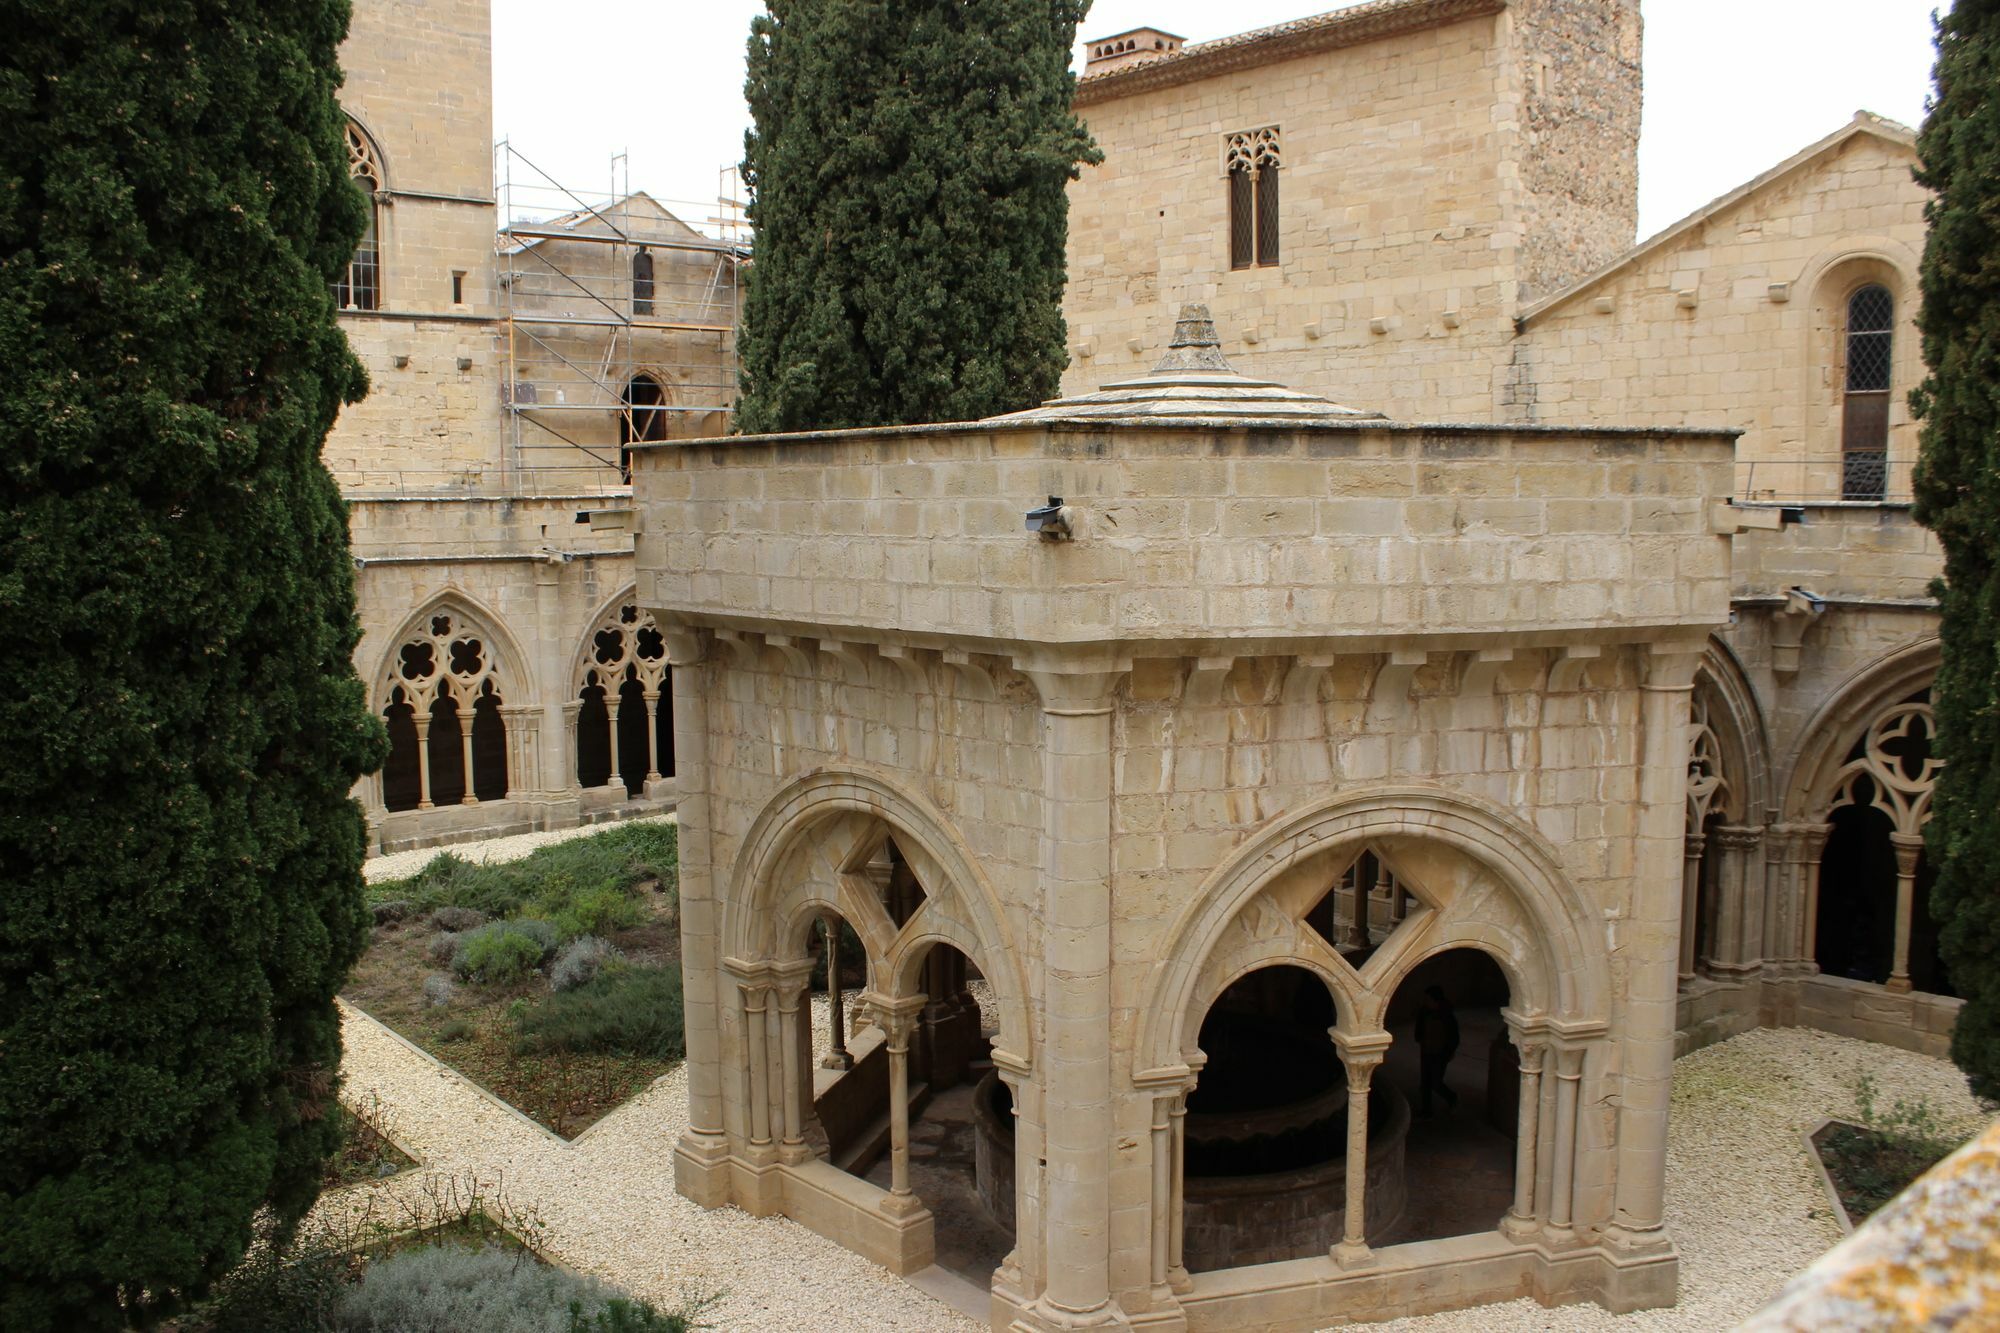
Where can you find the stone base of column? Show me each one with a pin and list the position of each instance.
(661, 789)
(1619, 1281)
(1520, 1230)
(1352, 1256)
(1638, 1240)
(1899, 985)
(902, 1205)
(1043, 1317)
(701, 1169)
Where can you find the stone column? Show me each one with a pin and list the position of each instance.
(465, 714)
(756, 994)
(1812, 846)
(1178, 1276)
(1360, 1054)
(1562, 1167)
(836, 1002)
(1169, 1089)
(1357, 916)
(1690, 902)
(1740, 946)
(699, 1157)
(1909, 847)
(652, 735)
(898, 1019)
(1780, 934)
(422, 718)
(1648, 945)
(558, 770)
(1527, 1035)
(790, 985)
(1075, 1060)
(519, 720)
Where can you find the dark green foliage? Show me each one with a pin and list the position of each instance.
(906, 174)
(1958, 496)
(580, 884)
(178, 709)
(622, 1011)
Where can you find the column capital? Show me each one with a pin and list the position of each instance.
(1670, 665)
(1075, 690)
(896, 1015)
(790, 979)
(1360, 1052)
(1739, 837)
(685, 645)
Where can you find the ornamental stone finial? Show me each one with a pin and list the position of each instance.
(1194, 345)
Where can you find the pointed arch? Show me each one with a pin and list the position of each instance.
(621, 692)
(763, 906)
(441, 689)
(1742, 741)
(1812, 774)
(1497, 883)
(358, 286)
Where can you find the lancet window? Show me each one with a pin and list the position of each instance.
(447, 736)
(624, 722)
(1253, 161)
(359, 286)
(1864, 432)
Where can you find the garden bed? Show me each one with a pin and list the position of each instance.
(367, 1151)
(1867, 1164)
(553, 981)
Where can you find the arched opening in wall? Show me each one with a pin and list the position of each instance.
(643, 418)
(1265, 1157)
(1874, 921)
(624, 718)
(447, 753)
(401, 779)
(1451, 1057)
(447, 734)
(961, 1136)
(1707, 894)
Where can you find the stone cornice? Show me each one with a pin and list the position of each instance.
(1323, 32)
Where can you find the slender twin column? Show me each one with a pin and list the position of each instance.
(756, 994)
(1361, 1054)
(1690, 902)
(789, 981)
(898, 1020)
(1529, 1038)
(1740, 943)
(836, 1000)
(1909, 847)
(1562, 1171)
(423, 721)
(465, 752)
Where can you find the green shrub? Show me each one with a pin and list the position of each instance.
(454, 1029)
(594, 911)
(624, 1316)
(492, 1290)
(624, 1011)
(503, 951)
(597, 875)
(297, 1291)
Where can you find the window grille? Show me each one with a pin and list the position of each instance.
(1864, 435)
(359, 286)
(1253, 162)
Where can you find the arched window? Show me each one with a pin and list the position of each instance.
(359, 286)
(447, 737)
(1253, 197)
(642, 282)
(644, 418)
(1864, 430)
(1874, 888)
(624, 722)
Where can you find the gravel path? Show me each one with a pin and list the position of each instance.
(1744, 1202)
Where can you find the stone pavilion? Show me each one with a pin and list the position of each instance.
(1151, 815)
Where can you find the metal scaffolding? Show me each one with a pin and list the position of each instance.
(619, 315)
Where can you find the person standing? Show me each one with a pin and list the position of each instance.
(1437, 1042)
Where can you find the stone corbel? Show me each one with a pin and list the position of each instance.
(1482, 671)
(1788, 630)
(971, 673)
(852, 657)
(1391, 688)
(685, 645)
(909, 663)
(1158, 680)
(1302, 681)
(798, 653)
(1570, 671)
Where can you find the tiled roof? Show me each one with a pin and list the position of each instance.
(1322, 32)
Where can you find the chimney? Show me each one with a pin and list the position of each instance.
(1129, 48)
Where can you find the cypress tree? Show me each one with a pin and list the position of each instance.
(906, 171)
(1958, 497)
(180, 890)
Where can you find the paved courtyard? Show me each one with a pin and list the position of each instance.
(1744, 1201)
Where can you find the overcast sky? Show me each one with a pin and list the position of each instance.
(1732, 86)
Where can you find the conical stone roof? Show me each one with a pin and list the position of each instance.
(1193, 381)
